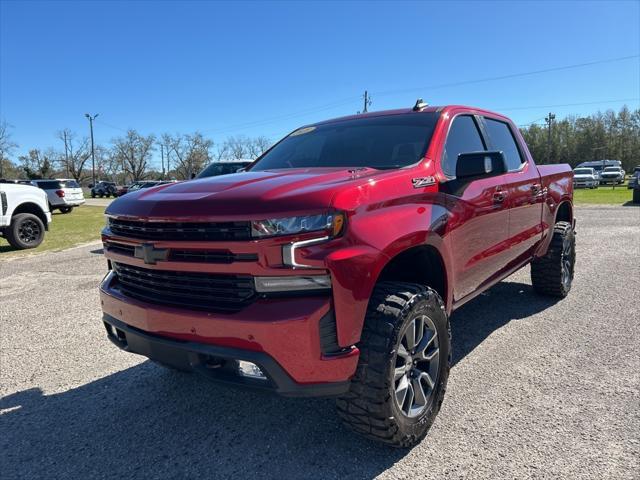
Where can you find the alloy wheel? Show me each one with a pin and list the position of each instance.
(29, 231)
(416, 366)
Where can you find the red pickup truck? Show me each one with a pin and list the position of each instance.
(331, 265)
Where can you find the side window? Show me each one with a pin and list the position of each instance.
(502, 139)
(463, 137)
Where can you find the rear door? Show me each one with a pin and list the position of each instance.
(523, 190)
(50, 187)
(479, 225)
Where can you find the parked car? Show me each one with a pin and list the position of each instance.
(614, 175)
(599, 165)
(141, 184)
(63, 194)
(585, 177)
(104, 189)
(24, 214)
(332, 265)
(634, 178)
(224, 167)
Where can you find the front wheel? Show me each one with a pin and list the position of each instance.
(26, 231)
(553, 273)
(401, 377)
(636, 195)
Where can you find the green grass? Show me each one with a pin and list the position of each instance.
(82, 225)
(604, 195)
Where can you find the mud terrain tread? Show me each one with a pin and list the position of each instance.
(546, 272)
(365, 407)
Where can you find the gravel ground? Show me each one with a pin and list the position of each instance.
(539, 389)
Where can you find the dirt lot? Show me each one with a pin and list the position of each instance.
(539, 388)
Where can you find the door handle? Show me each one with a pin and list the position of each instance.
(499, 196)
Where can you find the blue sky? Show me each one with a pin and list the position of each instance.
(265, 68)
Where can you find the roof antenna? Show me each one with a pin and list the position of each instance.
(420, 104)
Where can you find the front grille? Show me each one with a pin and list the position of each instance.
(198, 291)
(187, 231)
(196, 256)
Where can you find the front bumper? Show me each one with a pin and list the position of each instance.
(215, 362)
(282, 336)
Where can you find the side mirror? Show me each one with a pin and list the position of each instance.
(476, 165)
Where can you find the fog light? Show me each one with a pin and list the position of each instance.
(285, 284)
(248, 369)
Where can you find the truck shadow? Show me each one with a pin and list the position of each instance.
(145, 421)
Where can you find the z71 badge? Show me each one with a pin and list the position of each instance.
(423, 182)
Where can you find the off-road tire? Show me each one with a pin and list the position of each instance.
(636, 195)
(93, 195)
(547, 271)
(16, 235)
(66, 209)
(369, 407)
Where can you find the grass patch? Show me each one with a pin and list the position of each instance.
(604, 195)
(82, 225)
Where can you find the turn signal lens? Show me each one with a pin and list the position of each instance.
(338, 224)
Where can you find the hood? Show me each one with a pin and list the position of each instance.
(246, 195)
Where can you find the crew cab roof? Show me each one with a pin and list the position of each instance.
(400, 111)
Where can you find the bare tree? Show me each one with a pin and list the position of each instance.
(133, 152)
(76, 154)
(257, 146)
(191, 153)
(6, 146)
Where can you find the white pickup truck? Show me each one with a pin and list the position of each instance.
(24, 215)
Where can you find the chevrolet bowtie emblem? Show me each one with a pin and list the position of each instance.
(150, 254)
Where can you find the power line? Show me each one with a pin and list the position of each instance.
(511, 75)
(533, 107)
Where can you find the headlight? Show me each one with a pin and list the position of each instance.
(331, 224)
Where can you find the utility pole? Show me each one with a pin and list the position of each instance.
(367, 102)
(549, 119)
(93, 156)
(162, 158)
(66, 154)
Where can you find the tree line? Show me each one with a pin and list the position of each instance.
(126, 158)
(603, 135)
(573, 139)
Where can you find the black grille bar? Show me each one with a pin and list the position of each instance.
(199, 291)
(196, 256)
(186, 231)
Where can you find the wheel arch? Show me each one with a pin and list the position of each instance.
(421, 264)
(564, 212)
(34, 209)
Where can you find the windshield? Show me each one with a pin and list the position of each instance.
(389, 141)
(612, 169)
(216, 169)
(583, 171)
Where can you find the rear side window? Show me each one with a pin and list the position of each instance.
(502, 139)
(463, 137)
(52, 185)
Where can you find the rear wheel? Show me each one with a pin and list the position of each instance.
(26, 231)
(66, 209)
(403, 368)
(553, 273)
(636, 195)
(93, 195)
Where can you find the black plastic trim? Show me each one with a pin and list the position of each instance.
(192, 356)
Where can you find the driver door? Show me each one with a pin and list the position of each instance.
(479, 225)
